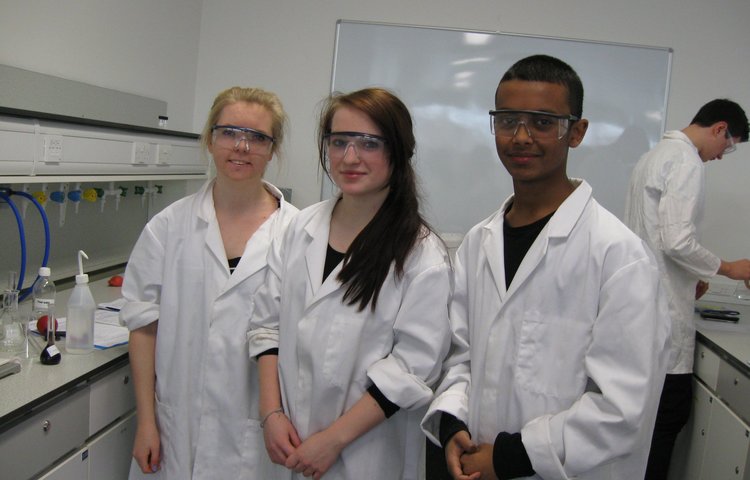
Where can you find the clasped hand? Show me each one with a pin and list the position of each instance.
(468, 461)
(311, 458)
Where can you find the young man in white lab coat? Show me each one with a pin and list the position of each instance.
(557, 363)
(664, 207)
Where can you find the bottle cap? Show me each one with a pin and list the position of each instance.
(44, 271)
(81, 277)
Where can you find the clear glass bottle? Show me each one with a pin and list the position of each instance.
(44, 304)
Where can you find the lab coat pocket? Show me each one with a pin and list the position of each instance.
(252, 451)
(255, 461)
(553, 340)
(169, 436)
(342, 349)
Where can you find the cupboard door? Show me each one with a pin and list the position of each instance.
(687, 457)
(110, 452)
(727, 445)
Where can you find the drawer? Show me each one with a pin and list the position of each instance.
(73, 467)
(734, 389)
(35, 443)
(706, 365)
(111, 397)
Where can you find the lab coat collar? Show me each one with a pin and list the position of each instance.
(254, 256)
(317, 230)
(559, 226)
(207, 214)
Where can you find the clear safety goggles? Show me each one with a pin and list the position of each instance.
(365, 145)
(538, 125)
(731, 146)
(229, 136)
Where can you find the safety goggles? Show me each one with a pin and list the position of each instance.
(538, 125)
(365, 145)
(229, 136)
(731, 146)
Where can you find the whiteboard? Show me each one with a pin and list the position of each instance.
(448, 77)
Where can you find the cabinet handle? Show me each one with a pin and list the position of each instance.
(46, 426)
(736, 381)
(703, 354)
(126, 380)
(703, 432)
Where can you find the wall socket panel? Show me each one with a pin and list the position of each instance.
(141, 153)
(53, 148)
(163, 152)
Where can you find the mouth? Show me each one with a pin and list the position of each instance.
(352, 174)
(522, 156)
(238, 162)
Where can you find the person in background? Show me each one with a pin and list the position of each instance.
(189, 287)
(557, 363)
(664, 206)
(351, 326)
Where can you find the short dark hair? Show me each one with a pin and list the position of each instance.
(543, 68)
(723, 110)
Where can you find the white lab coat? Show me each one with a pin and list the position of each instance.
(206, 387)
(664, 207)
(329, 353)
(572, 355)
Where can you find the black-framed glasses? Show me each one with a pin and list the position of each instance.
(230, 136)
(538, 125)
(365, 145)
(731, 146)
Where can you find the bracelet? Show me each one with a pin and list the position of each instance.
(268, 415)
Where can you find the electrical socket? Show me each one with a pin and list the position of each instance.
(141, 153)
(163, 152)
(53, 148)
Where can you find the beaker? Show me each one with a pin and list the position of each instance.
(14, 329)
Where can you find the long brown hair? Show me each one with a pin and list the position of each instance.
(397, 226)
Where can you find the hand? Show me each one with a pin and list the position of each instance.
(316, 455)
(737, 270)
(458, 445)
(479, 461)
(701, 288)
(280, 437)
(147, 448)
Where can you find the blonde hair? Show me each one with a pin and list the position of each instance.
(269, 100)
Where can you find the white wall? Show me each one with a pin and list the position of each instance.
(143, 47)
(185, 51)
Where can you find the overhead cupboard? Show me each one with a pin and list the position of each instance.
(35, 146)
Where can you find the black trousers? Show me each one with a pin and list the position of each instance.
(674, 410)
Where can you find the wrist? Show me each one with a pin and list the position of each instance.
(270, 414)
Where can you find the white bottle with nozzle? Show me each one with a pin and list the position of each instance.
(79, 334)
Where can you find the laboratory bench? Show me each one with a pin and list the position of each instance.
(715, 444)
(74, 420)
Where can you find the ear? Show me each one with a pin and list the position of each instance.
(720, 128)
(577, 132)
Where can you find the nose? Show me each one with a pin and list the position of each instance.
(239, 141)
(522, 135)
(345, 156)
